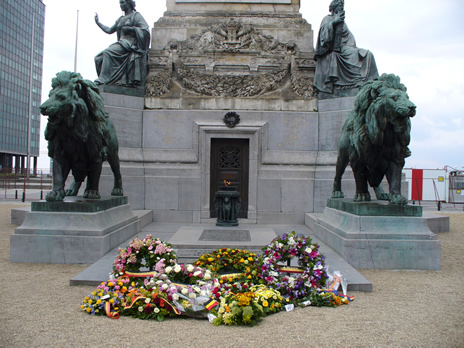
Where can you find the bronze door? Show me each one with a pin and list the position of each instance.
(229, 170)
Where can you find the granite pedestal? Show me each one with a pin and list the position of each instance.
(76, 230)
(377, 235)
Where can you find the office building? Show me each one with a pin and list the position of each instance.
(21, 58)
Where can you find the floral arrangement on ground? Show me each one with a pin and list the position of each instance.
(228, 260)
(260, 286)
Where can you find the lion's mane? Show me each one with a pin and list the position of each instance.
(371, 127)
(77, 122)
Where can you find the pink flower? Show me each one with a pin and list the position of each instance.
(160, 249)
(160, 266)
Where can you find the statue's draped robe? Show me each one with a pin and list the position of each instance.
(345, 67)
(124, 62)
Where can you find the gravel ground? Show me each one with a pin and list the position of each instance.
(406, 309)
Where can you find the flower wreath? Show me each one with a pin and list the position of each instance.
(310, 274)
(148, 252)
(228, 260)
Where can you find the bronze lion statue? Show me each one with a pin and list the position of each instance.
(80, 137)
(375, 139)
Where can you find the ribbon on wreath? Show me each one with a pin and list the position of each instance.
(111, 314)
(291, 270)
(140, 274)
(162, 302)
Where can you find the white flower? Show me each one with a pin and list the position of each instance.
(177, 269)
(165, 286)
(147, 300)
(190, 268)
(207, 276)
(308, 250)
(175, 297)
(184, 291)
(168, 269)
(192, 295)
(156, 310)
(291, 241)
(197, 289)
(140, 308)
(197, 273)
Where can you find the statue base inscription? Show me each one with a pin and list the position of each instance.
(226, 235)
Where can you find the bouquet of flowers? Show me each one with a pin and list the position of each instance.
(239, 309)
(188, 274)
(270, 299)
(149, 304)
(107, 299)
(229, 260)
(148, 252)
(310, 274)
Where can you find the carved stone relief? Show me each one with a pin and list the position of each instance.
(211, 50)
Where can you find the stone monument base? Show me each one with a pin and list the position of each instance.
(376, 235)
(76, 230)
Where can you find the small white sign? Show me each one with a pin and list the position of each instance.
(289, 307)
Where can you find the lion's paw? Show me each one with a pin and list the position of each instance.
(398, 199)
(92, 194)
(117, 192)
(55, 196)
(383, 196)
(70, 192)
(362, 197)
(338, 194)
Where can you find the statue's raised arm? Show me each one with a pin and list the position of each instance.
(341, 67)
(124, 62)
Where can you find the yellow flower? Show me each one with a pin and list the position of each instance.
(242, 260)
(120, 283)
(99, 301)
(249, 277)
(110, 284)
(265, 303)
(82, 307)
(94, 293)
(90, 301)
(210, 259)
(88, 309)
(112, 301)
(250, 259)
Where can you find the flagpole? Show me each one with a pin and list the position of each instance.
(77, 36)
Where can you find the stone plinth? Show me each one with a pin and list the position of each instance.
(73, 231)
(377, 241)
(379, 208)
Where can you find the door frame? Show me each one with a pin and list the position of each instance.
(250, 131)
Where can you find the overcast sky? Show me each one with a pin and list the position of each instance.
(422, 41)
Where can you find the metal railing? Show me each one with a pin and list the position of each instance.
(16, 183)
